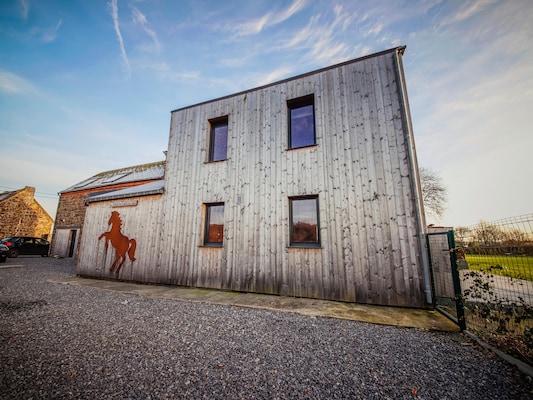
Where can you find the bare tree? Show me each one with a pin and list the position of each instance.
(434, 193)
(462, 236)
(515, 236)
(487, 234)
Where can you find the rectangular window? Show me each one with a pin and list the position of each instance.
(218, 139)
(304, 229)
(214, 224)
(301, 122)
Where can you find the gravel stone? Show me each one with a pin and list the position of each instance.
(61, 341)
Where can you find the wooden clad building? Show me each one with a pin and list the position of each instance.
(306, 187)
(71, 209)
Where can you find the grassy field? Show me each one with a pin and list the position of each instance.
(519, 267)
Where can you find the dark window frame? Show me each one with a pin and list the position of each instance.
(207, 225)
(292, 242)
(213, 125)
(294, 104)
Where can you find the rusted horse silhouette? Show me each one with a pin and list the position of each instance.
(121, 243)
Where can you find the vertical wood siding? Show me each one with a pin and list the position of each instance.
(141, 222)
(360, 169)
(61, 239)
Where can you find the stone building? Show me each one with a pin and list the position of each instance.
(72, 201)
(22, 215)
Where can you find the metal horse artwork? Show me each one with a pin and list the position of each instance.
(121, 243)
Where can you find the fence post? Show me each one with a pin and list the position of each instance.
(456, 282)
(430, 264)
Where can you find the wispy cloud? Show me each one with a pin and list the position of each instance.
(318, 36)
(296, 6)
(467, 10)
(326, 52)
(302, 36)
(275, 75)
(270, 19)
(185, 76)
(170, 74)
(50, 35)
(25, 8)
(14, 84)
(235, 62)
(114, 14)
(140, 18)
(45, 35)
(342, 19)
(374, 29)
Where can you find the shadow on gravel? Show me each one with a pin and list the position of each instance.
(12, 306)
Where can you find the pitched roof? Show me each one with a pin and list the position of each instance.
(156, 187)
(136, 173)
(6, 195)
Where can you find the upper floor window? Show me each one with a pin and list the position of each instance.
(304, 229)
(301, 122)
(218, 139)
(214, 224)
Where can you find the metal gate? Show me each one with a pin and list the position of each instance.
(445, 281)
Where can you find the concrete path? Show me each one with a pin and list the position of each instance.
(395, 316)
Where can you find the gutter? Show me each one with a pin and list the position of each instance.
(123, 196)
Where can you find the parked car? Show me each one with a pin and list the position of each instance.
(4, 251)
(27, 246)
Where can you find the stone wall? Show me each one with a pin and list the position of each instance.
(22, 215)
(71, 209)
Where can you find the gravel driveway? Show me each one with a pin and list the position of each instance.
(61, 341)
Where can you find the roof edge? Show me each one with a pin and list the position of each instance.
(100, 175)
(123, 196)
(133, 167)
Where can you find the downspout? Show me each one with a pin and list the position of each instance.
(413, 164)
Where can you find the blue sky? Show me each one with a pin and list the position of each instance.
(88, 86)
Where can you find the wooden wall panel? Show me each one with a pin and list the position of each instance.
(140, 222)
(61, 241)
(361, 170)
